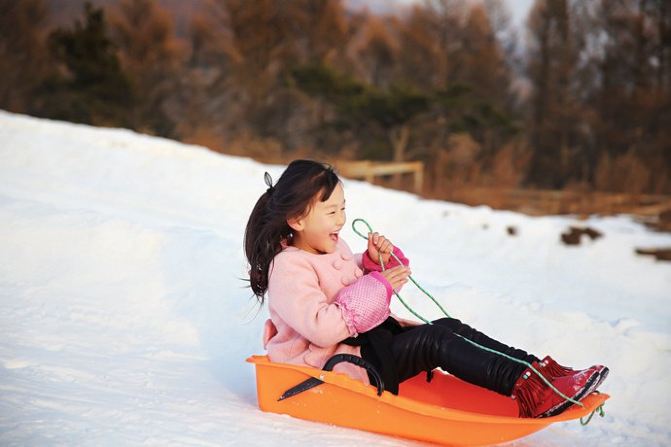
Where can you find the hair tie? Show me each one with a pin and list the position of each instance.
(269, 181)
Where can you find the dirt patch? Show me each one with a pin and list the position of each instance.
(573, 235)
(660, 222)
(660, 254)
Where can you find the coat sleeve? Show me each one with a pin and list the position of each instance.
(365, 302)
(294, 293)
(370, 265)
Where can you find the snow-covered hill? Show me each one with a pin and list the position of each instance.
(124, 319)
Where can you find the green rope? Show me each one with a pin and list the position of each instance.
(598, 410)
(525, 363)
(409, 276)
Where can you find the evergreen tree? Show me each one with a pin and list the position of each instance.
(92, 88)
(365, 108)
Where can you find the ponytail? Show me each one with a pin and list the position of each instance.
(258, 246)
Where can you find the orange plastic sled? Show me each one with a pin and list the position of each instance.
(445, 410)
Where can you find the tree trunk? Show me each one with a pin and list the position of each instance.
(399, 136)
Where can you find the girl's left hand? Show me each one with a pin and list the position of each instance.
(379, 245)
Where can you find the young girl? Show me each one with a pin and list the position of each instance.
(324, 300)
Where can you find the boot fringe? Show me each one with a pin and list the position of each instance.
(553, 369)
(525, 392)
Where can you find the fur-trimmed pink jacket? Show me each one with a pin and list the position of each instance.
(318, 300)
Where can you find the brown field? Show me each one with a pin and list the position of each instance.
(543, 202)
(653, 210)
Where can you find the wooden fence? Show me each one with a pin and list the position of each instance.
(368, 170)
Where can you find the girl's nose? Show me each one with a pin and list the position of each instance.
(341, 218)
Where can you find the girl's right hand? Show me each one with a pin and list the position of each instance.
(397, 276)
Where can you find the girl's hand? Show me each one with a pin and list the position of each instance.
(379, 245)
(397, 276)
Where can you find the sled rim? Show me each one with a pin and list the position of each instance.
(340, 380)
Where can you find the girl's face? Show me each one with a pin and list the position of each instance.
(317, 232)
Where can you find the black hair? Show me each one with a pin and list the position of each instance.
(291, 197)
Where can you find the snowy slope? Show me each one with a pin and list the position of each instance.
(124, 321)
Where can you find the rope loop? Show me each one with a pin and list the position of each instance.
(598, 410)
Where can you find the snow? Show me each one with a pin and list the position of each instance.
(124, 319)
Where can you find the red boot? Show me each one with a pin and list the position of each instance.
(552, 370)
(537, 400)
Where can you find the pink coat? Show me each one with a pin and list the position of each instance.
(318, 300)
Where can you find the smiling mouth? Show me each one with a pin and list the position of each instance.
(334, 237)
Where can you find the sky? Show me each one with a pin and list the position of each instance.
(519, 9)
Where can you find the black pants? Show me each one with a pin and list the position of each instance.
(428, 346)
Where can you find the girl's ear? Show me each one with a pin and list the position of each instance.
(296, 224)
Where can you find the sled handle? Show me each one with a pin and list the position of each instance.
(358, 361)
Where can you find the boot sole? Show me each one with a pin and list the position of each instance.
(592, 384)
(602, 376)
